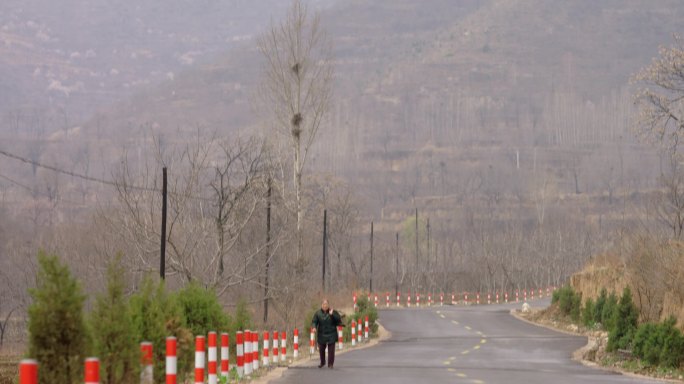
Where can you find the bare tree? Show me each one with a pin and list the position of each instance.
(661, 97)
(661, 120)
(297, 87)
(213, 198)
(669, 202)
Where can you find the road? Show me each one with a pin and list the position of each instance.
(477, 344)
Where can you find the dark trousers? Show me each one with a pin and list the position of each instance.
(331, 353)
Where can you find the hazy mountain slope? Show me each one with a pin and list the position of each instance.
(433, 97)
(80, 56)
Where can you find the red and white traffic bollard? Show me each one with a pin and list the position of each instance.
(264, 352)
(248, 352)
(312, 336)
(489, 298)
(340, 340)
(356, 308)
(398, 298)
(408, 300)
(366, 328)
(212, 356)
(275, 347)
(28, 371)
(359, 333)
(465, 298)
(295, 344)
(524, 295)
(517, 299)
(225, 355)
(376, 300)
(147, 362)
(353, 333)
(453, 299)
(240, 353)
(388, 300)
(429, 299)
(199, 359)
(171, 360)
(506, 297)
(477, 299)
(255, 351)
(283, 346)
(532, 293)
(540, 293)
(92, 370)
(497, 297)
(441, 299)
(417, 299)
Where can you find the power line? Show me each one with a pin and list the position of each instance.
(88, 178)
(70, 173)
(24, 186)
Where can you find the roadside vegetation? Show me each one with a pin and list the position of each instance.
(620, 339)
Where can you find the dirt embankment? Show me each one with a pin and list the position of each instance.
(653, 271)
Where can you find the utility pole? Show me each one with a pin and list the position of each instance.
(396, 267)
(428, 242)
(371, 260)
(325, 242)
(268, 248)
(416, 237)
(162, 259)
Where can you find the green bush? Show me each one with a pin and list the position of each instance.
(365, 308)
(672, 354)
(588, 313)
(58, 336)
(608, 312)
(600, 304)
(201, 310)
(624, 322)
(576, 308)
(641, 339)
(114, 339)
(569, 302)
(156, 315)
(659, 344)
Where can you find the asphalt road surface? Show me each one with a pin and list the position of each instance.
(477, 344)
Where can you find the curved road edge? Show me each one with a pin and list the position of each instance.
(591, 341)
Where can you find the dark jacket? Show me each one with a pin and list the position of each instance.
(326, 326)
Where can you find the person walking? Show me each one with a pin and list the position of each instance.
(326, 320)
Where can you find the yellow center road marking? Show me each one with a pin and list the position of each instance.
(454, 321)
(483, 341)
(465, 352)
(437, 312)
(478, 381)
(452, 358)
(451, 370)
(442, 316)
(468, 328)
(480, 333)
(461, 375)
(447, 362)
(476, 347)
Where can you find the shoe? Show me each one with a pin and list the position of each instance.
(330, 366)
(320, 365)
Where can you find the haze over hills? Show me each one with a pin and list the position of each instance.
(433, 98)
(488, 143)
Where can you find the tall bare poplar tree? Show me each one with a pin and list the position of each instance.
(297, 87)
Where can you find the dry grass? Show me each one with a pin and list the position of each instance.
(9, 368)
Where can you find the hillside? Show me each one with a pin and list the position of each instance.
(433, 99)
